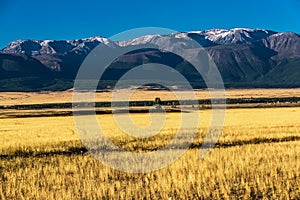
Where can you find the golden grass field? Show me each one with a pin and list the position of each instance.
(257, 156)
(13, 98)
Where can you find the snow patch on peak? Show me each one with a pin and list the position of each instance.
(139, 40)
(180, 35)
(48, 47)
(285, 34)
(45, 42)
(96, 38)
(244, 29)
(236, 35)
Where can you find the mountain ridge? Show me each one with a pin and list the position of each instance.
(245, 57)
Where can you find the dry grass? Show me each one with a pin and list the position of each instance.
(257, 157)
(252, 171)
(13, 98)
(240, 124)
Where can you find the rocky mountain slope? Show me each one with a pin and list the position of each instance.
(245, 58)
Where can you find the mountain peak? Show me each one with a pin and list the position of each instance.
(236, 35)
(48, 47)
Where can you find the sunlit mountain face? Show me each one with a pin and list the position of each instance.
(245, 58)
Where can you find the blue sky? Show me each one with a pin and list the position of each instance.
(59, 19)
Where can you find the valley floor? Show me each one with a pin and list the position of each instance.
(17, 98)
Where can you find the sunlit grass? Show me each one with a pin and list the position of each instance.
(257, 156)
(251, 171)
(13, 98)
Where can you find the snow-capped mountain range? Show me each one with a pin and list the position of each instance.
(212, 37)
(205, 38)
(244, 56)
